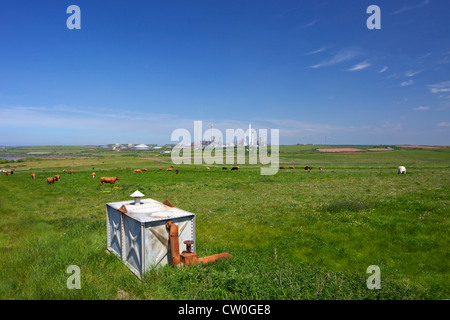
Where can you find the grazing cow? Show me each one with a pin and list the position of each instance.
(144, 169)
(50, 180)
(171, 166)
(207, 168)
(320, 168)
(64, 170)
(120, 168)
(6, 173)
(57, 177)
(234, 168)
(282, 168)
(179, 167)
(93, 175)
(160, 169)
(401, 170)
(128, 168)
(137, 171)
(176, 171)
(291, 167)
(33, 176)
(310, 168)
(169, 169)
(306, 168)
(111, 180)
(224, 168)
(71, 172)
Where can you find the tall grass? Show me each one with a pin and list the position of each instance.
(295, 235)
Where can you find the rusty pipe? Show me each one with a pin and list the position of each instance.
(174, 245)
(214, 258)
(188, 258)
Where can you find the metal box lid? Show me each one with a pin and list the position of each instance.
(149, 210)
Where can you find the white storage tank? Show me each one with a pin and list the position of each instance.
(137, 233)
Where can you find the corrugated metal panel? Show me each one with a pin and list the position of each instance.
(140, 238)
(114, 231)
(132, 245)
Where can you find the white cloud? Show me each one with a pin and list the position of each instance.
(407, 8)
(412, 73)
(317, 51)
(310, 24)
(407, 83)
(440, 87)
(383, 69)
(66, 117)
(341, 56)
(360, 66)
(443, 124)
(422, 108)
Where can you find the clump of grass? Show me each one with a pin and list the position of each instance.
(346, 206)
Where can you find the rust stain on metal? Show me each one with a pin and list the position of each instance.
(123, 209)
(167, 203)
(160, 237)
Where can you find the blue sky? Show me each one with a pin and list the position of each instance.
(138, 70)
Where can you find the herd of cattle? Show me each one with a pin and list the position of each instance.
(112, 180)
(306, 168)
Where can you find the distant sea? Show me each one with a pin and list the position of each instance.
(11, 158)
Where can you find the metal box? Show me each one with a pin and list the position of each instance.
(139, 237)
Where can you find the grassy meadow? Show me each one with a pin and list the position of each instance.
(294, 235)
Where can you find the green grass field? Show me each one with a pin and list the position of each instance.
(294, 235)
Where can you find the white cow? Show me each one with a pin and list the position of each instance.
(401, 170)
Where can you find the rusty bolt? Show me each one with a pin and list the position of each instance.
(188, 244)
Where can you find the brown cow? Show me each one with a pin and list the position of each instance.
(33, 176)
(144, 169)
(50, 180)
(282, 168)
(310, 168)
(137, 171)
(160, 169)
(111, 180)
(71, 172)
(6, 173)
(169, 169)
(64, 170)
(57, 177)
(93, 175)
(291, 167)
